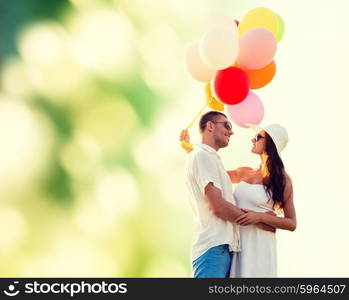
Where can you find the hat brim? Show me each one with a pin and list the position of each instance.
(257, 129)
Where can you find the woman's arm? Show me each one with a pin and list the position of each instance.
(288, 222)
(236, 175)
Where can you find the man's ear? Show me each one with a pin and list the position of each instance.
(209, 126)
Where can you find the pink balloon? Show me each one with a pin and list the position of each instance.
(257, 48)
(249, 111)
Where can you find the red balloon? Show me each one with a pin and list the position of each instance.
(237, 22)
(231, 85)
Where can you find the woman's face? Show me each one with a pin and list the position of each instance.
(258, 143)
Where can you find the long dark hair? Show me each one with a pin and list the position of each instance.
(275, 181)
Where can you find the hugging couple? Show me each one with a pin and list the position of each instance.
(234, 232)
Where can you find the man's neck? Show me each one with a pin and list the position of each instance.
(210, 143)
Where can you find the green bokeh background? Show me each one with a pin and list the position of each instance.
(93, 94)
(87, 188)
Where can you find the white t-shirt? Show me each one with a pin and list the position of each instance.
(204, 166)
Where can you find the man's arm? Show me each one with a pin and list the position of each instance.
(219, 206)
(224, 209)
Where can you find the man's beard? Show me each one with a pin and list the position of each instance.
(220, 142)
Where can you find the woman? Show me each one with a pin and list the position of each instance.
(267, 188)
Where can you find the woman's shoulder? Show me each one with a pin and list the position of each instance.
(237, 174)
(244, 170)
(288, 180)
(241, 170)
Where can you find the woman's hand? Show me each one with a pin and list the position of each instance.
(185, 140)
(250, 217)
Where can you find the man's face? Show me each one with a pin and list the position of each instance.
(222, 131)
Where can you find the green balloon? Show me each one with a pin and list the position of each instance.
(281, 28)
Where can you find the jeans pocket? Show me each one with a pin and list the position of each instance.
(218, 249)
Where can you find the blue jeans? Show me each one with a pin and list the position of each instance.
(214, 263)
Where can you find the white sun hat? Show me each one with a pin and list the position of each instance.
(277, 133)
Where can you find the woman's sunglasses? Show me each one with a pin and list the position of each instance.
(226, 124)
(258, 137)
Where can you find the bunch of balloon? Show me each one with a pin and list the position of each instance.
(234, 57)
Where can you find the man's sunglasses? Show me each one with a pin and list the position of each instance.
(226, 124)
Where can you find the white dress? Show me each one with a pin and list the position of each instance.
(258, 247)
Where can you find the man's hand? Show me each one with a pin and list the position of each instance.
(250, 217)
(185, 141)
(254, 218)
(184, 136)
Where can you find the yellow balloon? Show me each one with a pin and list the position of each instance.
(186, 146)
(259, 17)
(211, 101)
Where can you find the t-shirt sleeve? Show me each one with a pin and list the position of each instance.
(206, 171)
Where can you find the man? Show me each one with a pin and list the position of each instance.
(211, 199)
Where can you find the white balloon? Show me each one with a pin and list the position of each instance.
(219, 48)
(220, 22)
(196, 67)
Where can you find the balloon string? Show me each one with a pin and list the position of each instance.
(199, 113)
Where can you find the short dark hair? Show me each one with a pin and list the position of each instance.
(209, 116)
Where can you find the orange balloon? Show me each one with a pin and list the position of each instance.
(260, 77)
